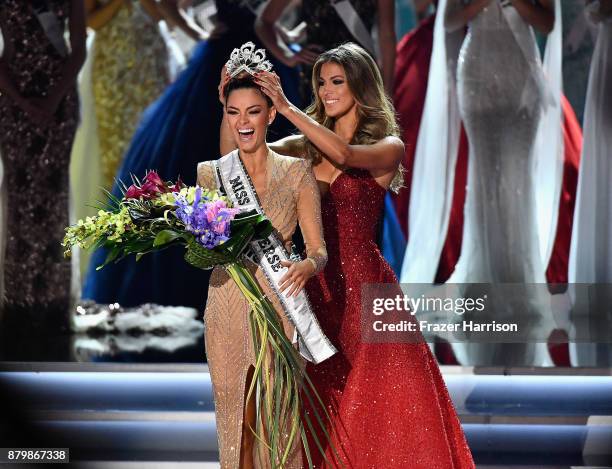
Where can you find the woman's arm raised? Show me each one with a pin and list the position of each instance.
(387, 40)
(99, 15)
(384, 155)
(265, 27)
(176, 16)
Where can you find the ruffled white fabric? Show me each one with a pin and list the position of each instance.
(165, 320)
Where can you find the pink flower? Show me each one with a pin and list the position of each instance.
(151, 187)
(219, 215)
(178, 185)
(133, 192)
(153, 179)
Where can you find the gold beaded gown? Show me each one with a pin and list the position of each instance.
(130, 70)
(291, 196)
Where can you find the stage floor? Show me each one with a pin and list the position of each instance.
(162, 415)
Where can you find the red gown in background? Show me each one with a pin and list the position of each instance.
(411, 75)
(388, 403)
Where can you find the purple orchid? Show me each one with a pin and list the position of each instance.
(209, 220)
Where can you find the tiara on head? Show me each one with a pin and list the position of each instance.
(247, 59)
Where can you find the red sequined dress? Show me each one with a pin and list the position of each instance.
(388, 403)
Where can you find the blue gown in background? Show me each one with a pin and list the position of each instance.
(176, 132)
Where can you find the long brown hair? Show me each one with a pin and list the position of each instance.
(376, 115)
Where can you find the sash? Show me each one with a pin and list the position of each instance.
(548, 145)
(527, 44)
(233, 179)
(51, 26)
(349, 16)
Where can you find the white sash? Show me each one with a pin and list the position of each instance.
(232, 177)
(51, 25)
(528, 46)
(548, 146)
(354, 24)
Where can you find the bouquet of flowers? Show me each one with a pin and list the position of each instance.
(153, 215)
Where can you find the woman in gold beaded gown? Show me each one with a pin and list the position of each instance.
(288, 194)
(38, 118)
(130, 70)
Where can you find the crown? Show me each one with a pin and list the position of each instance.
(247, 59)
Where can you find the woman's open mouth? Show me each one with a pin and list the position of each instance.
(246, 135)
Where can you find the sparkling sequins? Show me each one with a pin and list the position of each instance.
(389, 405)
(130, 70)
(36, 161)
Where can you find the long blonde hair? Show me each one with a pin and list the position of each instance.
(376, 115)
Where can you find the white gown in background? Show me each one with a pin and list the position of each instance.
(500, 102)
(85, 172)
(591, 248)
(510, 104)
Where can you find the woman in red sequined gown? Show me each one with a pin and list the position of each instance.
(388, 403)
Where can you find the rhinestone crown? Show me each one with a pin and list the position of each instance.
(247, 59)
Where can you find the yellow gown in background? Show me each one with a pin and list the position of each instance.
(130, 70)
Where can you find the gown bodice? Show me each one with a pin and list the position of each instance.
(491, 18)
(32, 61)
(496, 23)
(133, 14)
(352, 208)
(497, 61)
